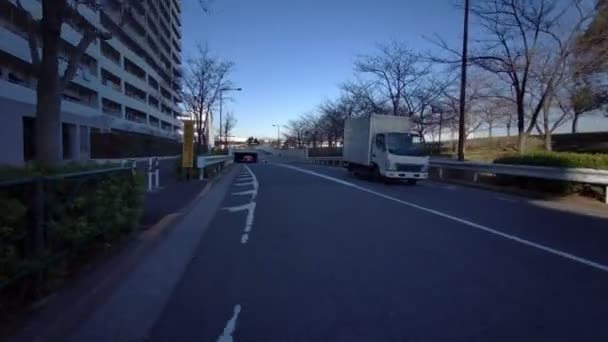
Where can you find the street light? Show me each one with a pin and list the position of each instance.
(222, 90)
(278, 135)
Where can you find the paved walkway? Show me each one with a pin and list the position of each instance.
(173, 195)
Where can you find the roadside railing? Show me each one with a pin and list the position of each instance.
(209, 165)
(44, 219)
(574, 175)
(585, 176)
(151, 165)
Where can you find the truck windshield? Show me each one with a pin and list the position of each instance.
(402, 144)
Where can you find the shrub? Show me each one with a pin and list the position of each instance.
(80, 213)
(559, 159)
(33, 170)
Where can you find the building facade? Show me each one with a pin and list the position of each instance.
(129, 83)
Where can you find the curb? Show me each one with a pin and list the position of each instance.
(54, 323)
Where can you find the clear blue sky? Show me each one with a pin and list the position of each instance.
(292, 55)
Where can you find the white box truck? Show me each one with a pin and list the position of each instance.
(383, 146)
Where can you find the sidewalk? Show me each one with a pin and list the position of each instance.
(89, 287)
(168, 199)
(171, 197)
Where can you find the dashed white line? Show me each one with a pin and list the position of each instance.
(230, 326)
(250, 207)
(522, 241)
(506, 199)
(243, 207)
(243, 193)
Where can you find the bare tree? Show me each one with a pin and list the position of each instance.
(297, 131)
(392, 72)
(205, 76)
(363, 100)
(332, 121)
(424, 103)
(313, 134)
(532, 41)
(229, 124)
(478, 92)
(523, 37)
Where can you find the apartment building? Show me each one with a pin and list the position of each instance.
(129, 83)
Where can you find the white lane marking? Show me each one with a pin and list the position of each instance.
(239, 207)
(506, 199)
(230, 326)
(256, 184)
(243, 179)
(244, 184)
(250, 207)
(529, 243)
(242, 193)
(249, 221)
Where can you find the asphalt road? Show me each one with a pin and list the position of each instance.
(316, 255)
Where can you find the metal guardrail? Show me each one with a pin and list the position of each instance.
(586, 176)
(214, 162)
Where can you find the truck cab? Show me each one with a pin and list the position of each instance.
(398, 155)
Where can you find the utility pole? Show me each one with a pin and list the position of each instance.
(222, 90)
(221, 101)
(463, 82)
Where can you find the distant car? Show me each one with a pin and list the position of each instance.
(245, 156)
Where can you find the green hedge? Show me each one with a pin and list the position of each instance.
(80, 213)
(559, 159)
(33, 170)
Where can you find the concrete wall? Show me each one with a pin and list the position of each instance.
(11, 131)
(291, 154)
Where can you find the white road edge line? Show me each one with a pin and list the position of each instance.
(529, 243)
(230, 326)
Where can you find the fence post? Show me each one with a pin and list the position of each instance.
(38, 233)
(440, 173)
(157, 172)
(150, 173)
(134, 167)
(606, 194)
(475, 177)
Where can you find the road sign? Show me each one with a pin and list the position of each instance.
(188, 148)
